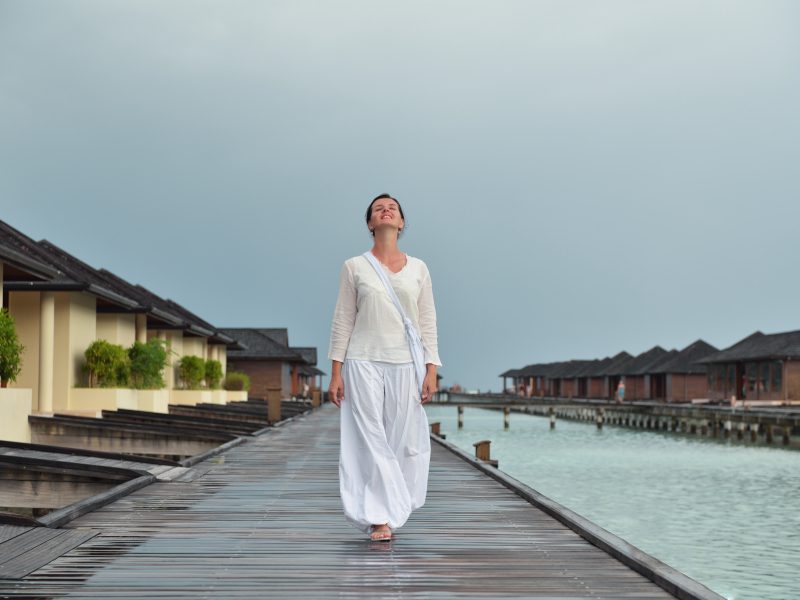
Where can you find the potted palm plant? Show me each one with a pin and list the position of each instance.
(10, 349)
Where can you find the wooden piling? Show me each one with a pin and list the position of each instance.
(483, 452)
(552, 418)
(460, 417)
(274, 405)
(599, 417)
(506, 417)
(436, 428)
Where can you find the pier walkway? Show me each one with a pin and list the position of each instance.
(263, 520)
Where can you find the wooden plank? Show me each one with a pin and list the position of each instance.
(25, 542)
(11, 531)
(42, 553)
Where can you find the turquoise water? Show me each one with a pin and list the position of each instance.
(726, 514)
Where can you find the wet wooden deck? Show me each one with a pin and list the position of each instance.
(264, 521)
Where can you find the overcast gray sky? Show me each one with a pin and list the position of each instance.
(581, 177)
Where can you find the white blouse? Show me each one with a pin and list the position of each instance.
(368, 326)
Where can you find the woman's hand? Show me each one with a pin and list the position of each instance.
(429, 385)
(336, 390)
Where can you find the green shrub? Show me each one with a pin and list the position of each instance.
(147, 364)
(192, 370)
(213, 374)
(236, 381)
(10, 348)
(107, 365)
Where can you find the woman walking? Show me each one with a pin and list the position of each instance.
(385, 448)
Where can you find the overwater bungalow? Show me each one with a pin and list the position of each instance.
(608, 377)
(590, 386)
(760, 368)
(569, 380)
(634, 371)
(638, 381)
(515, 376)
(308, 373)
(680, 378)
(273, 367)
(552, 378)
(533, 379)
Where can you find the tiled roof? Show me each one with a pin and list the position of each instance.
(259, 346)
(642, 362)
(310, 370)
(279, 334)
(614, 366)
(685, 361)
(151, 303)
(77, 270)
(66, 272)
(26, 266)
(70, 273)
(594, 367)
(759, 346)
(511, 373)
(309, 354)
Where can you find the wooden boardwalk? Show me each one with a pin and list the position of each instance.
(263, 520)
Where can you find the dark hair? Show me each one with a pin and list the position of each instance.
(381, 197)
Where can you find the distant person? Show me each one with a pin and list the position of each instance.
(306, 389)
(385, 443)
(621, 391)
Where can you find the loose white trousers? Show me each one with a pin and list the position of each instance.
(385, 445)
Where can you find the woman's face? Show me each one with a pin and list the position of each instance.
(385, 213)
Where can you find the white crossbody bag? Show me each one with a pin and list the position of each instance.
(413, 336)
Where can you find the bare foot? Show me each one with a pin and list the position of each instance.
(380, 533)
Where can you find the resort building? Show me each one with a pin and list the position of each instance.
(606, 379)
(657, 374)
(761, 367)
(681, 378)
(274, 368)
(635, 369)
(62, 305)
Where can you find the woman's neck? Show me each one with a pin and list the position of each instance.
(385, 247)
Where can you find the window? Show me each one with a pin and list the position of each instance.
(763, 378)
(777, 375)
(751, 373)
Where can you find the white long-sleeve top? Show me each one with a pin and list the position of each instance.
(368, 326)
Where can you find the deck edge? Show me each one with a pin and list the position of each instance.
(666, 577)
(64, 515)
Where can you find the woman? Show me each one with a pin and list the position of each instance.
(385, 448)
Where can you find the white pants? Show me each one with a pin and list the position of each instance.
(385, 449)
